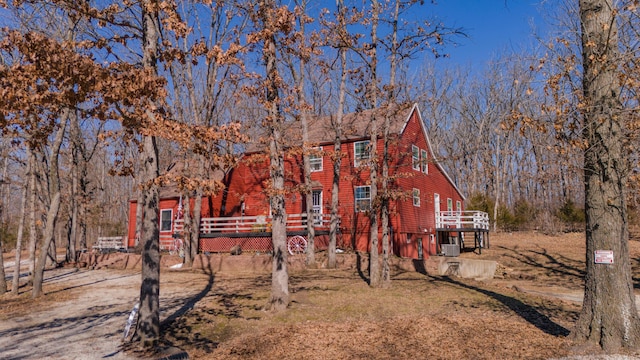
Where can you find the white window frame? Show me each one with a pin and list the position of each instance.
(316, 207)
(316, 161)
(415, 157)
(424, 161)
(360, 201)
(165, 221)
(363, 154)
(449, 204)
(458, 206)
(416, 197)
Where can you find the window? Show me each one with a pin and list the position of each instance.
(416, 197)
(363, 198)
(316, 207)
(360, 151)
(424, 161)
(449, 204)
(315, 159)
(165, 219)
(458, 205)
(415, 157)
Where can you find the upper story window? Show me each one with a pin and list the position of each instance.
(416, 197)
(415, 157)
(360, 151)
(424, 161)
(165, 219)
(363, 198)
(315, 159)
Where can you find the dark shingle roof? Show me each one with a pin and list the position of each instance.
(356, 125)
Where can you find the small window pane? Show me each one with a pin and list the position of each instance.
(165, 220)
(363, 198)
(361, 151)
(415, 157)
(424, 161)
(416, 197)
(315, 159)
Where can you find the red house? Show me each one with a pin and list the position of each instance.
(427, 211)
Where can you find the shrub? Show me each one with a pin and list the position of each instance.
(572, 216)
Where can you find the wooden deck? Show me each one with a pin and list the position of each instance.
(451, 227)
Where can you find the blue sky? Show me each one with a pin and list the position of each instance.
(493, 26)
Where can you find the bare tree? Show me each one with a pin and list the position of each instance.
(608, 317)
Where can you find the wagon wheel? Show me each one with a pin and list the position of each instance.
(297, 245)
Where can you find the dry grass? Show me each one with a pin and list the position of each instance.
(334, 314)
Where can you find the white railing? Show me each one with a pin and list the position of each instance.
(110, 243)
(295, 222)
(462, 219)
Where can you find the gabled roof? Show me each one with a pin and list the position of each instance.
(435, 159)
(357, 126)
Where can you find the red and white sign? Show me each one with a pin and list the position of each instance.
(603, 257)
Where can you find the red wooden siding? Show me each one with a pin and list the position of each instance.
(411, 224)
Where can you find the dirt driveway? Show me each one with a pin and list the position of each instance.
(89, 323)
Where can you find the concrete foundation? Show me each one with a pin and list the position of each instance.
(466, 268)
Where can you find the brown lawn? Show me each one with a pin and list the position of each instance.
(526, 312)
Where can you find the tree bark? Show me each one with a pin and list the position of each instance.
(15, 285)
(609, 316)
(32, 213)
(304, 118)
(148, 328)
(196, 219)
(374, 265)
(54, 207)
(3, 280)
(384, 206)
(336, 124)
(279, 299)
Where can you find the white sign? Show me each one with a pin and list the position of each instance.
(603, 257)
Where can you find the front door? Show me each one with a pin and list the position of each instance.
(317, 206)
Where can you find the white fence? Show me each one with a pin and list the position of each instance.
(294, 222)
(462, 219)
(110, 243)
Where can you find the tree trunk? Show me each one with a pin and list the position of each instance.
(3, 280)
(279, 299)
(76, 152)
(15, 285)
(304, 114)
(337, 143)
(3, 206)
(384, 206)
(609, 316)
(54, 207)
(374, 265)
(148, 328)
(195, 221)
(32, 213)
(186, 230)
(139, 216)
